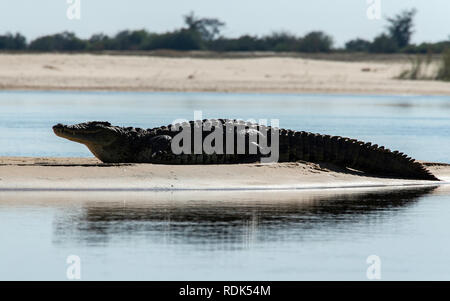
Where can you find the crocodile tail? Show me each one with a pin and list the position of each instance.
(358, 155)
(377, 159)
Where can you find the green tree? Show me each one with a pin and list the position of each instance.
(281, 41)
(401, 27)
(208, 28)
(130, 40)
(99, 41)
(13, 42)
(315, 41)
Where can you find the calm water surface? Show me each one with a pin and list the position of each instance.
(419, 126)
(321, 235)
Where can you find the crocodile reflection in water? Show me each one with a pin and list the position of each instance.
(212, 222)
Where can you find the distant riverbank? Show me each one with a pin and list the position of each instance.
(261, 74)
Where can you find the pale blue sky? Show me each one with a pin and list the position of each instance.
(343, 19)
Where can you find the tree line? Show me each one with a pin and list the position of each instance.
(205, 34)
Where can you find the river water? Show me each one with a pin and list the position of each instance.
(312, 235)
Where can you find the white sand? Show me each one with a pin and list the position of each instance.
(151, 73)
(89, 174)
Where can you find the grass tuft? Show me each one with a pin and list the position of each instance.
(444, 69)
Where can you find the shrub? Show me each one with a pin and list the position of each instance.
(65, 41)
(416, 69)
(383, 44)
(357, 45)
(130, 40)
(243, 43)
(182, 39)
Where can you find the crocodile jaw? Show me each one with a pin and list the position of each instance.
(76, 134)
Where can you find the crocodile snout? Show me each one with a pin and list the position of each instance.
(58, 126)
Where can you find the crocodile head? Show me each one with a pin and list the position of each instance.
(101, 138)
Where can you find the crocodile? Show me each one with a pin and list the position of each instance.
(114, 144)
